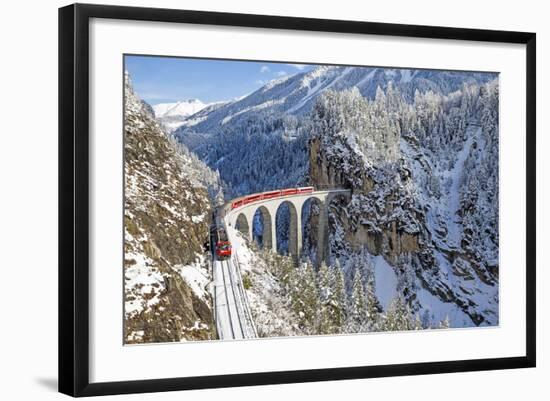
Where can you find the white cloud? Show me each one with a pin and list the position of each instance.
(298, 66)
(281, 73)
(264, 69)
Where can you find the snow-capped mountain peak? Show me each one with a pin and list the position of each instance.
(174, 115)
(182, 108)
(271, 84)
(296, 94)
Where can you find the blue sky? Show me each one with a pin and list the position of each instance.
(169, 79)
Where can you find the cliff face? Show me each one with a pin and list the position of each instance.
(423, 179)
(376, 228)
(166, 219)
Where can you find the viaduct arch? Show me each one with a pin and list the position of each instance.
(242, 219)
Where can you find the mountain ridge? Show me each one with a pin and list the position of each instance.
(296, 94)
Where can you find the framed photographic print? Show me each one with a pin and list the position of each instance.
(249, 199)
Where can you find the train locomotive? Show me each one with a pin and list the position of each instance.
(221, 242)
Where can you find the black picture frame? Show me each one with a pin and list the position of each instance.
(74, 194)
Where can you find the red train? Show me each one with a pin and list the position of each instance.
(221, 243)
(269, 195)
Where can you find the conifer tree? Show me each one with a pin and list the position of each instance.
(311, 295)
(445, 323)
(426, 319)
(372, 306)
(398, 316)
(294, 289)
(325, 298)
(340, 297)
(332, 296)
(417, 322)
(358, 307)
(305, 296)
(287, 271)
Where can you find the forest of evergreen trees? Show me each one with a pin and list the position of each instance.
(410, 151)
(429, 149)
(325, 302)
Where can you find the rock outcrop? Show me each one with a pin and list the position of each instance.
(166, 215)
(412, 201)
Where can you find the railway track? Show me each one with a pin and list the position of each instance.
(231, 310)
(232, 313)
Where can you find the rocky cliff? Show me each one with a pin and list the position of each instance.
(166, 215)
(412, 201)
(381, 214)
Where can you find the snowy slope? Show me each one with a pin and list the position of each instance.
(182, 108)
(403, 140)
(174, 115)
(166, 212)
(425, 195)
(259, 142)
(269, 305)
(296, 94)
(233, 317)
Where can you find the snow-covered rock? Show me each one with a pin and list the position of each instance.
(166, 213)
(174, 115)
(181, 108)
(424, 181)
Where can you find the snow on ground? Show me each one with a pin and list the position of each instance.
(233, 318)
(273, 83)
(197, 326)
(224, 307)
(407, 75)
(257, 107)
(269, 309)
(386, 290)
(142, 283)
(240, 247)
(385, 281)
(320, 86)
(196, 276)
(198, 218)
(453, 200)
(483, 296)
(439, 310)
(445, 225)
(367, 78)
(191, 121)
(182, 108)
(173, 125)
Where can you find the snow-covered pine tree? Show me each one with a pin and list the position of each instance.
(358, 307)
(417, 322)
(426, 319)
(372, 306)
(286, 271)
(398, 317)
(445, 323)
(340, 296)
(305, 297)
(406, 282)
(333, 299)
(326, 324)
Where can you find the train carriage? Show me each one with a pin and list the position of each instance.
(270, 195)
